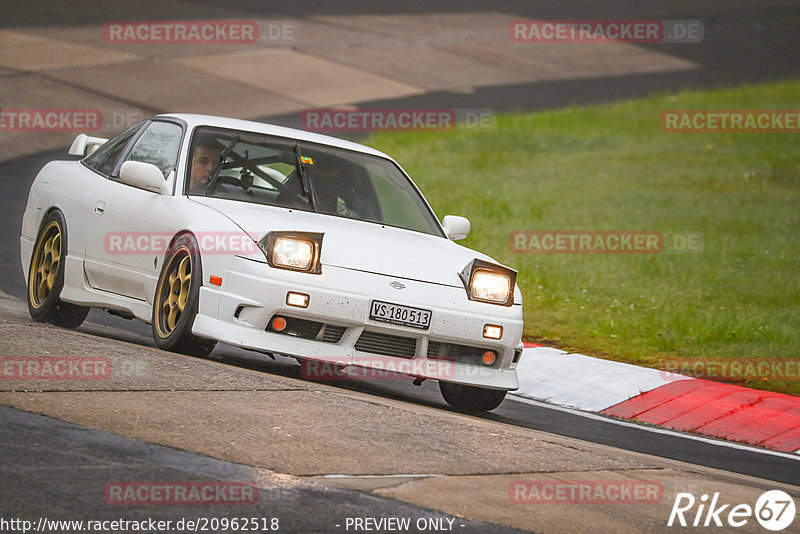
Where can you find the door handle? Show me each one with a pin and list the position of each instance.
(100, 207)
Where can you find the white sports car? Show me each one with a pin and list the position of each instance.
(272, 239)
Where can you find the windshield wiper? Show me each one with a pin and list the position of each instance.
(212, 183)
(305, 183)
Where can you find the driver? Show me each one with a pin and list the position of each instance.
(204, 158)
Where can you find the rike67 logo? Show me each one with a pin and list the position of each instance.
(774, 510)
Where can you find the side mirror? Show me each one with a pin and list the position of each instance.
(83, 145)
(455, 227)
(142, 175)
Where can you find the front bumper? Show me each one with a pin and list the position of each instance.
(240, 310)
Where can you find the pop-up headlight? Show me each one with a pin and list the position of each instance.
(296, 251)
(488, 282)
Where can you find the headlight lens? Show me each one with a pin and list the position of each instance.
(297, 251)
(488, 286)
(489, 282)
(293, 253)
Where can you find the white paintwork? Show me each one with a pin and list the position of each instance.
(455, 227)
(582, 382)
(358, 244)
(142, 175)
(83, 145)
(359, 261)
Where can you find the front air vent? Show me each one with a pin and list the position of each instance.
(332, 333)
(387, 345)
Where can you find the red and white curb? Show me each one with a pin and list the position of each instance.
(735, 413)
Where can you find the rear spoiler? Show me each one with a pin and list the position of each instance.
(83, 145)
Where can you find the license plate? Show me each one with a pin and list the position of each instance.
(399, 314)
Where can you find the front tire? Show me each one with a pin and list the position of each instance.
(46, 276)
(176, 298)
(471, 398)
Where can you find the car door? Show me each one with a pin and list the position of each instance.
(130, 227)
(82, 189)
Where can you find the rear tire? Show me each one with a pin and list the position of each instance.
(471, 398)
(46, 276)
(176, 298)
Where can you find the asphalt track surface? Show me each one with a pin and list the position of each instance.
(781, 469)
(745, 42)
(742, 52)
(71, 459)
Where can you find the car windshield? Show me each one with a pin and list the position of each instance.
(283, 172)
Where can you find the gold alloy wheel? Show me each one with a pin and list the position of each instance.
(173, 291)
(47, 261)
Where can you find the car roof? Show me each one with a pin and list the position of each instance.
(193, 120)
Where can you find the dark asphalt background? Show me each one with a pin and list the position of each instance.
(58, 471)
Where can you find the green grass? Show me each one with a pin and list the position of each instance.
(611, 167)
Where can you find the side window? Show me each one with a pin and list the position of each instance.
(159, 145)
(104, 159)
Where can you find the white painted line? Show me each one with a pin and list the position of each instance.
(659, 430)
(583, 382)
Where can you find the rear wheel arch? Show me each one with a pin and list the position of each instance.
(45, 278)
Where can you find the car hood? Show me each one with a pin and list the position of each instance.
(358, 245)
